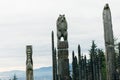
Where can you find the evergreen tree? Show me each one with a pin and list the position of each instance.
(102, 64)
(75, 67)
(14, 77)
(97, 63)
(93, 52)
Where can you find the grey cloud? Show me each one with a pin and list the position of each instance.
(31, 22)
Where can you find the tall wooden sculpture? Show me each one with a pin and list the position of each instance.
(29, 63)
(54, 63)
(62, 48)
(109, 43)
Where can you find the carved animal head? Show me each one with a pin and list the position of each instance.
(29, 65)
(61, 22)
(61, 27)
(61, 18)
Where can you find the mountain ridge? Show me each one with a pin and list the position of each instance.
(39, 74)
(42, 73)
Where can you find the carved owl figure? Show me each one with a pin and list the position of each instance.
(62, 27)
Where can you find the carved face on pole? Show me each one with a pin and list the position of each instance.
(29, 63)
(29, 54)
(61, 27)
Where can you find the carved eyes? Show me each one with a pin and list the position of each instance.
(62, 15)
(62, 30)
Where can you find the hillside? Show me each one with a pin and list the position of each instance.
(44, 73)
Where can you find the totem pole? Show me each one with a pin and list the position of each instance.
(62, 48)
(109, 43)
(54, 59)
(73, 66)
(119, 61)
(56, 77)
(29, 63)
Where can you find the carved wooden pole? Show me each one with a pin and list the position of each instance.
(53, 58)
(73, 66)
(62, 49)
(29, 63)
(109, 43)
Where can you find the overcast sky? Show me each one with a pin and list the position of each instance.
(30, 22)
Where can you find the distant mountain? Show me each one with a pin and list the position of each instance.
(44, 73)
